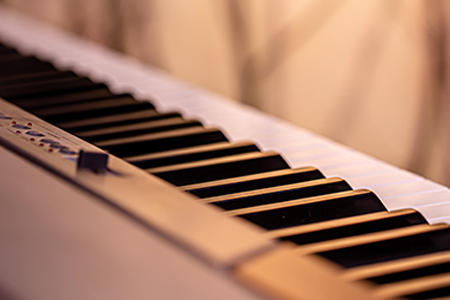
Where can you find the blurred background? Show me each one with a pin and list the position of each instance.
(370, 74)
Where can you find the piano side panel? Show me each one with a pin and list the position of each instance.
(59, 242)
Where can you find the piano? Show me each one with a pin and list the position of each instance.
(119, 181)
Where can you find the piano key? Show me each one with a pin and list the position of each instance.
(163, 141)
(97, 91)
(337, 223)
(252, 182)
(397, 277)
(368, 239)
(116, 102)
(393, 184)
(311, 210)
(381, 272)
(47, 88)
(117, 119)
(114, 132)
(380, 179)
(221, 168)
(340, 159)
(7, 51)
(431, 287)
(18, 60)
(428, 239)
(279, 193)
(303, 149)
(436, 213)
(419, 199)
(407, 188)
(430, 269)
(289, 138)
(192, 154)
(10, 57)
(37, 77)
(36, 67)
(348, 227)
(95, 108)
(365, 168)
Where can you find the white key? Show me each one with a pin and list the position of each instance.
(407, 188)
(375, 180)
(364, 168)
(340, 160)
(418, 200)
(437, 213)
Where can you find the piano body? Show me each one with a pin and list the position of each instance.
(255, 208)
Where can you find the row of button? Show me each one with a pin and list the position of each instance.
(53, 145)
(56, 145)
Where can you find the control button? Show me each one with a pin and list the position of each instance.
(58, 146)
(32, 139)
(67, 151)
(49, 141)
(34, 133)
(18, 131)
(13, 122)
(94, 161)
(50, 150)
(20, 126)
(29, 124)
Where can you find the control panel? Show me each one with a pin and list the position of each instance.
(36, 134)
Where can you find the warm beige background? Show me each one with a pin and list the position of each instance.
(371, 74)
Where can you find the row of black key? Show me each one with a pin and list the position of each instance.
(259, 187)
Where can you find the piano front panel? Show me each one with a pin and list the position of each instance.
(319, 216)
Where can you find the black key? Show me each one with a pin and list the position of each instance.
(157, 142)
(436, 293)
(10, 57)
(94, 108)
(280, 193)
(6, 51)
(50, 87)
(118, 119)
(226, 167)
(398, 248)
(33, 66)
(191, 154)
(312, 210)
(136, 129)
(253, 182)
(97, 91)
(359, 228)
(435, 269)
(84, 106)
(35, 77)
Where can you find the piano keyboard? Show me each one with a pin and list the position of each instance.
(385, 229)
